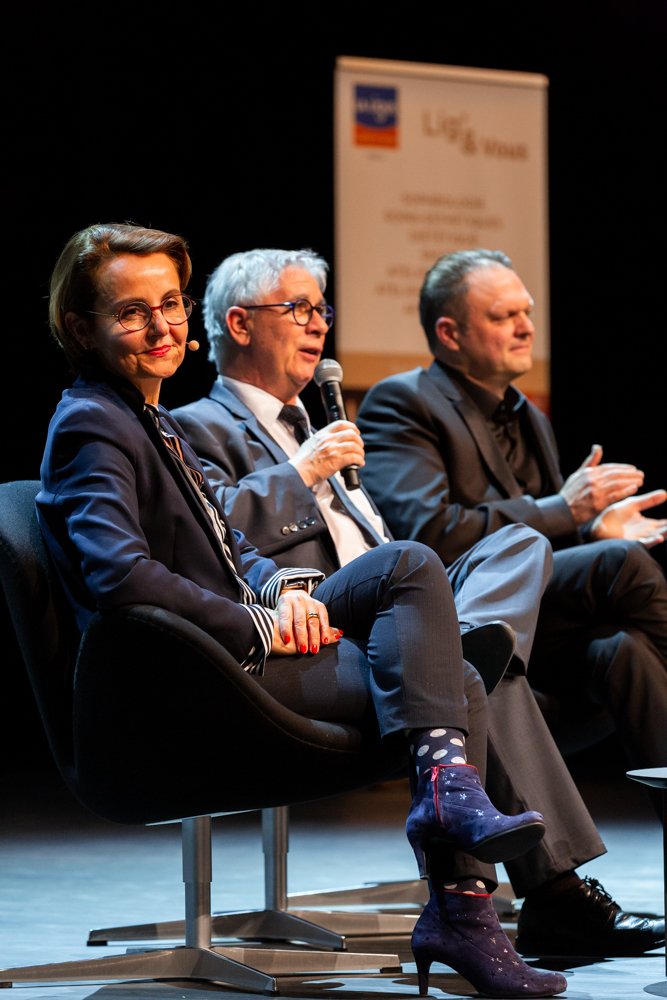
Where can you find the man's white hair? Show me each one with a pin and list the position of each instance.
(245, 278)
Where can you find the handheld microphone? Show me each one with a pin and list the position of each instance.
(328, 376)
(193, 345)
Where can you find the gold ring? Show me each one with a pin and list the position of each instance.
(313, 614)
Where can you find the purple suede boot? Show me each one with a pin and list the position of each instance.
(450, 806)
(462, 930)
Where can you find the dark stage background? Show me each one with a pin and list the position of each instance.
(221, 129)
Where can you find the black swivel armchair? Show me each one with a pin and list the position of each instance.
(136, 711)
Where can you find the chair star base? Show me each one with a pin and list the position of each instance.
(328, 929)
(245, 967)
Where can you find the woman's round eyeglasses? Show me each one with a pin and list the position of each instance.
(135, 316)
(302, 310)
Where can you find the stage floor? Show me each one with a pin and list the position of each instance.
(63, 871)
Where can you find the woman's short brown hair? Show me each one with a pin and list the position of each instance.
(73, 287)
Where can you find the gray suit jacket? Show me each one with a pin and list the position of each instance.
(258, 488)
(437, 474)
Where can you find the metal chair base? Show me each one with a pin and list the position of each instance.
(221, 965)
(278, 923)
(320, 929)
(409, 893)
(174, 963)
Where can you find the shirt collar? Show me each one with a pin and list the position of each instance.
(492, 408)
(264, 406)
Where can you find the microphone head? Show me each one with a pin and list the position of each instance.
(327, 370)
(193, 345)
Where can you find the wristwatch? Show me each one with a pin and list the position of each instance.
(295, 585)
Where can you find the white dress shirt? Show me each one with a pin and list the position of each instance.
(346, 534)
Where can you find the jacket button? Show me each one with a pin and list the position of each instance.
(310, 520)
(303, 524)
(294, 527)
(285, 530)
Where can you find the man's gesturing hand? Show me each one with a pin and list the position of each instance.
(593, 487)
(624, 520)
(329, 451)
(294, 632)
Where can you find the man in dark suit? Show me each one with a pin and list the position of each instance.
(455, 452)
(279, 483)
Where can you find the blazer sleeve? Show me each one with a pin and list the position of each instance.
(90, 511)
(262, 503)
(408, 474)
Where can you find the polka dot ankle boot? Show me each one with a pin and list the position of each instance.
(462, 930)
(450, 806)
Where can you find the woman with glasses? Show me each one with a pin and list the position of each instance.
(130, 518)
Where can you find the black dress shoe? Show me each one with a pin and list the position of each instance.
(489, 648)
(586, 921)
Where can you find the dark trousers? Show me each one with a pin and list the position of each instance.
(601, 641)
(393, 596)
(401, 656)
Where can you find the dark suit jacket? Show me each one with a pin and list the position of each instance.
(263, 495)
(437, 474)
(123, 524)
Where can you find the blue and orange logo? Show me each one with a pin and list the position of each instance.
(375, 116)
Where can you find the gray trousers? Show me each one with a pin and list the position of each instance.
(503, 577)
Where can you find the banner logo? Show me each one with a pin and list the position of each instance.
(375, 116)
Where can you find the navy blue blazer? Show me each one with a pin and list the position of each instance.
(261, 492)
(124, 525)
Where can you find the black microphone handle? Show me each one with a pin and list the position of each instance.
(334, 407)
(351, 477)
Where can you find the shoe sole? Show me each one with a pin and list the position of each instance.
(508, 845)
(565, 949)
(489, 648)
(533, 996)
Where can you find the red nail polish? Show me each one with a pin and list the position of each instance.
(314, 649)
(286, 640)
(304, 649)
(340, 631)
(325, 640)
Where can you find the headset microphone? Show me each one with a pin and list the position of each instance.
(193, 345)
(328, 376)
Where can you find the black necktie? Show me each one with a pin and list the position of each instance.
(296, 418)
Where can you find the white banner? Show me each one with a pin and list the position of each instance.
(432, 159)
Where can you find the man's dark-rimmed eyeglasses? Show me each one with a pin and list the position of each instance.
(302, 310)
(136, 316)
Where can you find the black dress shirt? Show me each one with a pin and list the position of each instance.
(507, 420)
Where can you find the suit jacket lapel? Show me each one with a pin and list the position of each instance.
(476, 424)
(546, 451)
(251, 424)
(248, 421)
(189, 492)
(344, 502)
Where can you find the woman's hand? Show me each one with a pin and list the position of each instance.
(294, 631)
